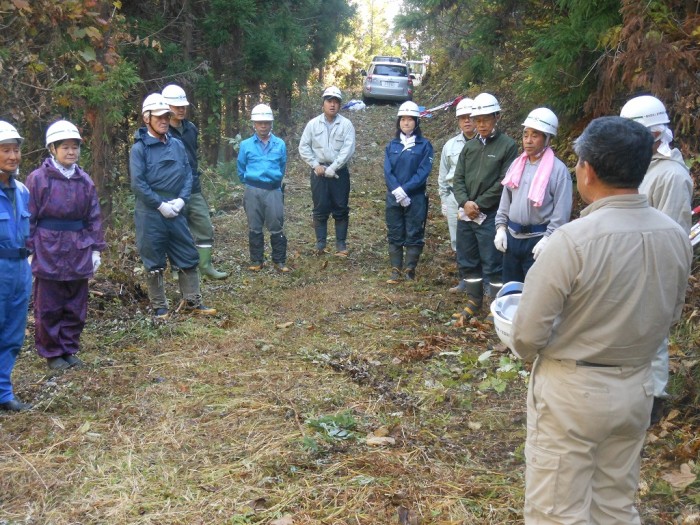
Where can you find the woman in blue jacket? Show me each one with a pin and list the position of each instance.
(407, 164)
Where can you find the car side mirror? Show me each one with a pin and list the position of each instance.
(363, 72)
(412, 76)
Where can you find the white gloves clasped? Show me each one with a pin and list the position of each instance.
(501, 240)
(177, 204)
(537, 250)
(166, 210)
(96, 261)
(399, 194)
(401, 197)
(330, 173)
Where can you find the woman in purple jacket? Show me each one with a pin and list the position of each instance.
(66, 238)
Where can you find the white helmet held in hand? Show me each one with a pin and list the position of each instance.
(262, 113)
(62, 130)
(647, 110)
(332, 92)
(485, 104)
(175, 95)
(464, 107)
(155, 105)
(408, 109)
(8, 133)
(503, 310)
(542, 119)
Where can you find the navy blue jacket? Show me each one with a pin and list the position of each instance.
(160, 171)
(408, 168)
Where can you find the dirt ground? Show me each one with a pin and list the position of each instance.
(323, 396)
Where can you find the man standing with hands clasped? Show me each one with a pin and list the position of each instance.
(595, 307)
(477, 188)
(161, 179)
(326, 146)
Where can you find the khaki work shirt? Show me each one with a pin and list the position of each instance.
(607, 288)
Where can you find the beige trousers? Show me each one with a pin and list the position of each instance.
(585, 432)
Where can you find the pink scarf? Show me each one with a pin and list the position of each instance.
(539, 182)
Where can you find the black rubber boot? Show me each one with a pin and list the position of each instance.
(341, 235)
(475, 297)
(321, 231)
(412, 257)
(278, 241)
(256, 247)
(396, 261)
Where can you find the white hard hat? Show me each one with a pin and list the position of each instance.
(62, 130)
(155, 104)
(408, 109)
(503, 310)
(647, 110)
(8, 133)
(262, 113)
(332, 92)
(464, 107)
(542, 119)
(175, 95)
(485, 104)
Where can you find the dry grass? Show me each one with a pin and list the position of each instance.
(211, 421)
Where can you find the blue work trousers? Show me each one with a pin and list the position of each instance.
(406, 225)
(15, 288)
(518, 257)
(158, 238)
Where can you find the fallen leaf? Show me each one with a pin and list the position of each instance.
(58, 423)
(378, 441)
(284, 520)
(680, 479)
(673, 414)
(285, 325)
(474, 425)
(381, 432)
(84, 427)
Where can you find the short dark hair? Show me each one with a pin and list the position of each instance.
(416, 131)
(618, 149)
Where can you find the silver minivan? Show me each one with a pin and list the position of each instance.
(387, 81)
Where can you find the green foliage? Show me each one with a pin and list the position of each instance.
(565, 55)
(336, 427)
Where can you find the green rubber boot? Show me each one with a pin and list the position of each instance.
(205, 266)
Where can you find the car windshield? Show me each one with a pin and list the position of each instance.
(393, 71)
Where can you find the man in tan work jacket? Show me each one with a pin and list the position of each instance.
(595, 307)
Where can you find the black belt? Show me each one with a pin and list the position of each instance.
(14, 253)
(528, 228)
(594, 365)
(61, 225)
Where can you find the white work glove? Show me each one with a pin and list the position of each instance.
(177, 204)
(166, 210)
(501, 240)
(444, 209)
(96, 260)
(405, 202)
(537, 250)
(330, 173)
(399, 194)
